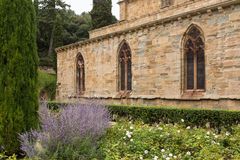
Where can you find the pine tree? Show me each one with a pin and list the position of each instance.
(18, 71)
(102, 13)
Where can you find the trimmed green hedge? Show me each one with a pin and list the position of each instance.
(192, 117)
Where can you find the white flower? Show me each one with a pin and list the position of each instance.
(141, 157)
(146, 152)
(131, 127)
(188, 127)
(189, 153)
(129, 134)
(208, 133)
(175, 157)
(168, 158)
(155, 158)
(216, 136)
(131, 140)
(38, 147)
(124, 137)
(182, 120)
(162, 150)
(160, 128)
(227, 133)
(178, 131)
(170, 154)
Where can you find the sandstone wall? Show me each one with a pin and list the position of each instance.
(182, 8)
(157, 61)
(133, 9)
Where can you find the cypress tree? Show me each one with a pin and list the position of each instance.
(102, 13)
(18, 71)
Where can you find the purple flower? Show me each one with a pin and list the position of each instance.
(71, 123)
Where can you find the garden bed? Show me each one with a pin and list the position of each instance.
(82, 131)
(130, 140)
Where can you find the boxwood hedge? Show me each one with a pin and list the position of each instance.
(156, 114)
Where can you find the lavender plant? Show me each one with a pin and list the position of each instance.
(72, 123)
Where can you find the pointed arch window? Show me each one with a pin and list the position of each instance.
(125, 68)
(80, 74)
(194, 56)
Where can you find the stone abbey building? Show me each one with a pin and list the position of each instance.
(183, 53)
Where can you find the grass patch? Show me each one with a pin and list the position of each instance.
(47, 84)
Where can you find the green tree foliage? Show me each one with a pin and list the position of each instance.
(102, 13)
(58, 26)
(76, 27)
(49, 13)
(18, 71)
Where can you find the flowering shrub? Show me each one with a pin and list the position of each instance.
(136, 140)
(64, 133)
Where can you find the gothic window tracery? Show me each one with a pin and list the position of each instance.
(194, 55)
(80, 74)
(125, 68)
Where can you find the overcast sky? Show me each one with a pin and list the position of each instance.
(80, 6)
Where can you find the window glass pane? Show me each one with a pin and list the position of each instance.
(195, 62)
(80, 80)
(129, 75)
(122, 72)
(190, 69)
(189, 45)
(84, 79)
(199, 43)
(125, 65)
(200, 69)
(78, 75)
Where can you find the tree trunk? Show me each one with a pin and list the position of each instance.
(50, 49)
(51, 41)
